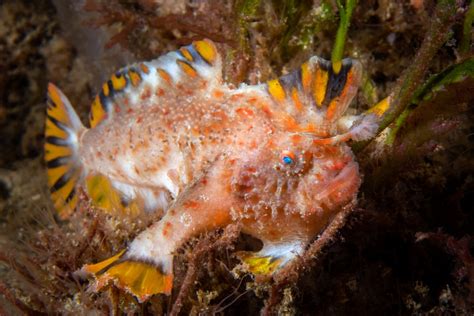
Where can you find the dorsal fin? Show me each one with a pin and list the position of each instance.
(192, 68)
(119, 83)
(315, 87)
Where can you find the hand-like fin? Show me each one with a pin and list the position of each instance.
(259, 265)
(271, 258)
(138, 278)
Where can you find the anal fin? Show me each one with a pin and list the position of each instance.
(103, 195)
(120, 198)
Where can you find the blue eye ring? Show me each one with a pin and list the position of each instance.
(287, 157)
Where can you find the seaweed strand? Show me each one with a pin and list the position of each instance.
(314, 254)
(467, 30)
(448, 76)
(437, 34)
(17, 302)
(345, 13)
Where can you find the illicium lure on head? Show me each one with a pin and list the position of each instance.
(169, 135)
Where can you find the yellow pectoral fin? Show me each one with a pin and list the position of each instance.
(138, 278)
(260, 265)
(141, 279)
(95, 268)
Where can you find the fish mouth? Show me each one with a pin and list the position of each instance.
(336, 191)
(324, 198)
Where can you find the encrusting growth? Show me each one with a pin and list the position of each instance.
(170, 136)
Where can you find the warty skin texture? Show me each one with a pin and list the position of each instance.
(221, 161)
(173, 137)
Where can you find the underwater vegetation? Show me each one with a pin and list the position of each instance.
(405, 248)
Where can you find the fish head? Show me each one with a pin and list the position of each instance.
(290, 174)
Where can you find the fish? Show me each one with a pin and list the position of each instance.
(170, 136)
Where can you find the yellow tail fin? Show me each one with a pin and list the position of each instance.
(61, 146)
(138, 278)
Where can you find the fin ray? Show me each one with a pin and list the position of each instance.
(197, 67)
(136, 277)
(114, 197)
(61, 147)
(271, 258)
(259, 265)
(316, 86)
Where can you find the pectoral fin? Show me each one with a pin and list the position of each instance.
(271, 258)
(138, 278)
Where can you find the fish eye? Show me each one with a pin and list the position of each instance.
(287, 157)
(287, 160)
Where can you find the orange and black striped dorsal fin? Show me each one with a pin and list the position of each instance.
(62, 130)
(185, 66)
(331, 92)
(288, 91)
(119, 83)
(316, 85)
(195, 66)
(201, 57)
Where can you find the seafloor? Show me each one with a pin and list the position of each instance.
(407, 248)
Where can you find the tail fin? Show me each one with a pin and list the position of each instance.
(61, 133)
(138, 278)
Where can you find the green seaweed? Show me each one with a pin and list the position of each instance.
(436, 37)
(368, 89)
(292, 18)
(402, 95)
(467, 30)
(441, 81)
(315, 21)
(452, 74)
(246, 10)
(345, 13)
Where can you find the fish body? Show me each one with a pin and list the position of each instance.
(169, 135)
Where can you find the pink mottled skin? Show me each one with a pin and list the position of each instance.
(222, 156)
